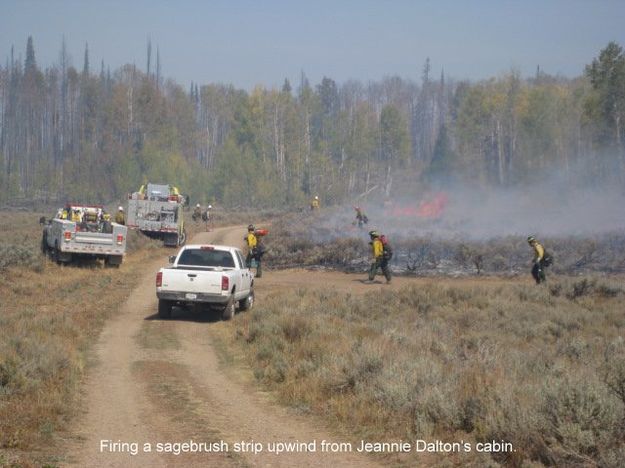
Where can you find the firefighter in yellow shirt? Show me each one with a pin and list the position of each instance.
(120, 218)
(254, 250)
(378, 257)
(314, 204)
(540, 260)
(76, 216)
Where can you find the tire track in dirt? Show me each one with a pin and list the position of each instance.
(161, 381)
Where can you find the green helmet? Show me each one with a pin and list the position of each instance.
(374, 234)
(531, 239)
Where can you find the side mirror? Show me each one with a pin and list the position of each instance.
(42, 220)
(172, 258)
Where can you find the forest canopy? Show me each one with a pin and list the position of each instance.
(95, 134)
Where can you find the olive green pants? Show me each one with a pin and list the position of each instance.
(538, 272)
(380, 263)
(252, 261)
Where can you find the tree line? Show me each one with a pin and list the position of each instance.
(93, 134)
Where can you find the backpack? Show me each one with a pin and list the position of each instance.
(547, 259)
(387, 251)
(259, 250)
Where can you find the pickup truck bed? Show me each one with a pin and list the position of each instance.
(66, 240)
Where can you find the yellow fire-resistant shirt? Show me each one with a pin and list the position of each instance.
(539, 251)
(378, 248)
(251, 240)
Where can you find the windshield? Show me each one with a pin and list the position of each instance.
(206, 258)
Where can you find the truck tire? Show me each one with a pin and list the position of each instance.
(228, 311)
(59, 257)
(44, 244)
(248, 302)
(164, 308)
(182, 238)
(170, 240)
(56, 254)
(113, 261)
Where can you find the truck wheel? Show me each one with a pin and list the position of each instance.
(113, 261)
(248, 302)
(164, 308)
(59, 257)
(56, 254)
(228, 311)
(44, 244)
(182, 238)
(170, 240)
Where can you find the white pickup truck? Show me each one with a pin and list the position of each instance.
(212, 275)
(88, 236)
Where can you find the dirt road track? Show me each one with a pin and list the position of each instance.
(160, 381)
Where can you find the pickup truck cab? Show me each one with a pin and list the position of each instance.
(212, 275)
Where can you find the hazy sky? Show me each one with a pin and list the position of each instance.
(262, 42)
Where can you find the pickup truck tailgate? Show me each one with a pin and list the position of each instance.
(94, 238)
(192, 281)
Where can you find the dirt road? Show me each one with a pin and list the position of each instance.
(160, 382)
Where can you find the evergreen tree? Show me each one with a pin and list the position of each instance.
(607, 76)
(30, 65)
(158, 68)
(329, 96)
(443, 159)
(85, 67)
(149, 52)
(286, 87)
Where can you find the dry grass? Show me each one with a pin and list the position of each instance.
(540, 367)
(49, 317)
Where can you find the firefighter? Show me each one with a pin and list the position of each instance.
(105, 225)
(197, 213)
(254, 250)
(314, 203)
(120, 217)
(206, 216)
(379, 259)
(361, 217)
(76, 215)
(538, 269)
